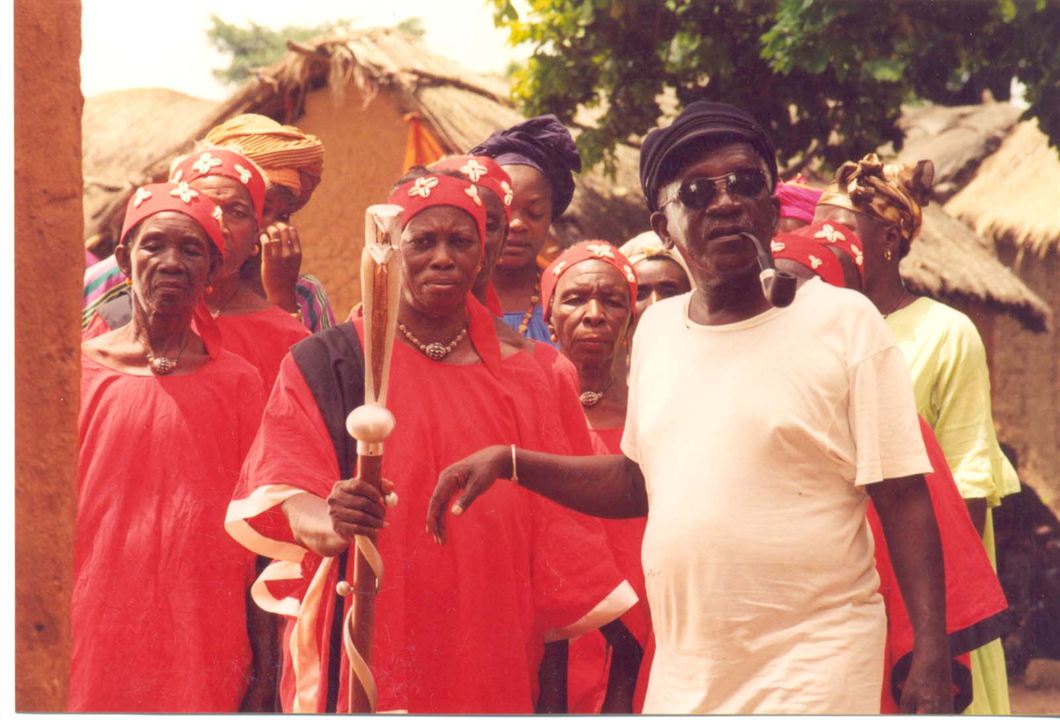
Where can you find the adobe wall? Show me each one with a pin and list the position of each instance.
(1026, 380)
(49, 264)
(364, 149)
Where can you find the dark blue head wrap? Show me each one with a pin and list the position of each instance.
(660, 151)
(542, 143)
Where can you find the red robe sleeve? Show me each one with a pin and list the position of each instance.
(291, 453)
(975, 601)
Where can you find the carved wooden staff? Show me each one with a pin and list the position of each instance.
(371, 424)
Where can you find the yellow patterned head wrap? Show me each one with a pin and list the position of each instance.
(288, 156)
(894, 193)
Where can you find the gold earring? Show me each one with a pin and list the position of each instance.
(887, 254)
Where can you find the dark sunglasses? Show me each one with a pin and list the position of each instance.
(698, 192)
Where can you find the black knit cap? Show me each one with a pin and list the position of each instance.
(699, 120)
(541, 142)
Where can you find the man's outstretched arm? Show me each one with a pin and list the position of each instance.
(609, 486)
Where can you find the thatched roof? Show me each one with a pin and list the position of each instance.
(123, 131)
(1014, 197)
(955, 139)
(949, 261)
(462, 108)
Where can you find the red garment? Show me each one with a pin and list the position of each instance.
(262, 338)
(458, 628)
(158, 602)
(96, 327)
(589, 655)
(973, 593)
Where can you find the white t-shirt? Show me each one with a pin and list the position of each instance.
(755, 439)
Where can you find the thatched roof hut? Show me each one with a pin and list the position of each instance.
(1014, 198)
(956, 139)
(123, 131)
(356, 91)
(950, 262)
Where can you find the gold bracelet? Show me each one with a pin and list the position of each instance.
(515, 475)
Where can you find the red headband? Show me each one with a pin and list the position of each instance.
(484, 171)
(587, 250)
(431, 191)
(810, 254)
(826, 233)
(173, 197)
(224, 163)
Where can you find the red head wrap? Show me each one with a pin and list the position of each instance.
(797, 199)
(810, 254)
(172, 197)
(431, 191)
(587, 250)
(484, 171)
(178, 197)
(826, 233)
(224, 163)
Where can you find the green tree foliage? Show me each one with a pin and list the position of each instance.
(255, 46)
(828, 76)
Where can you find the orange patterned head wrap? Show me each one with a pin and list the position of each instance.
(288, 156)
(894, 194)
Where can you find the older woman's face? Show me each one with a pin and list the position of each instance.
(442, 256)
(496, 232)
(531, 217)
(169, 259)
(240, 220)
(657, 278)
(591, 312)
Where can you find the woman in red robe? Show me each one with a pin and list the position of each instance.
(459, 627)
(590, 294)
(251, 327)
(158, 611)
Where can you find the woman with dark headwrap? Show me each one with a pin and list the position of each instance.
(946, 356)
(460, 627)
(539, 155)
(159, 619)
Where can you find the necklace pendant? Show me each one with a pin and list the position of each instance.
(162, 365)
(435, 351)
(590, 399)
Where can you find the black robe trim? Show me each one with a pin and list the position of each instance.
(332, 364)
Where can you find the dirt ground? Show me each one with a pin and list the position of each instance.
(1038, 691)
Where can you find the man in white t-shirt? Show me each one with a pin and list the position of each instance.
(754, 437)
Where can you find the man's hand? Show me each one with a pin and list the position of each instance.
(927, 690)
(473, 475)
(281, 259)
(357, 508)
